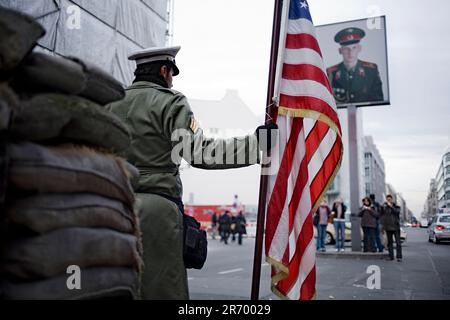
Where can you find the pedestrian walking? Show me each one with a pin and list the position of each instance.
(233, 230)
(323, 213)
(338, 213)
(390, 220)
(214, 225)
(240, 226)
(368, 224)
(224, 227)
(378, 243)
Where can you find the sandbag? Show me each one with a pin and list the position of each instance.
(68, 170)
(5, 115)
(96, 283)
(45, 73)
(100, 85)
(51, 116)
(41, 72)
(48, 212)
(18, 36)
(49, 255)
(9, 103)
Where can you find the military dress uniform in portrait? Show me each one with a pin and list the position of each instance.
(354, 80)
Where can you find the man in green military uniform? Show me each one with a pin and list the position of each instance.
(354, 80)
(159, 119)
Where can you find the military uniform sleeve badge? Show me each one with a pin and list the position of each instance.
(194, 125)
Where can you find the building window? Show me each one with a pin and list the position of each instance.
(447, 157)
(448, 170)
(368, 189)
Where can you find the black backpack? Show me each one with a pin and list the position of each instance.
(195, 244)
(316, 219)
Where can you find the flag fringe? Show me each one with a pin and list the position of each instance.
(303, 113)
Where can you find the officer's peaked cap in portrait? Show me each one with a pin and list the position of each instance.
(157, 54)
(349, 36)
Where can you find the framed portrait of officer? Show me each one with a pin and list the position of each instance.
(355, 58)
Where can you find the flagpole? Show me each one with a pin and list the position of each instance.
(277, 17)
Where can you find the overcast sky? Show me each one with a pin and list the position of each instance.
(226, 44)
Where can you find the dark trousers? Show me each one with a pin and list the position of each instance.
(240, 238)
(378, 242)
(224, 235)
(369, 239)
(390, 235)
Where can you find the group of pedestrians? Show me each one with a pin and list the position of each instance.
(375, 220)
(229, 225)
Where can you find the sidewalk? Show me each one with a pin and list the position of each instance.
(348, 253)
(423, 274)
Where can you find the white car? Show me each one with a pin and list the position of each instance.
(439, 228)
(424, 223)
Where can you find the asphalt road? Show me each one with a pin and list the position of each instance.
(424, 273)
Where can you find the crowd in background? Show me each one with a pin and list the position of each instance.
(376, 220)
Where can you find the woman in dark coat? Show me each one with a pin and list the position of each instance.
(224, 227)
(240, 226)
(368, 216)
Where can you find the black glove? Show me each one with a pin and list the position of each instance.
(265, 132)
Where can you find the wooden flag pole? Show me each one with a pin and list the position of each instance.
(264, 177)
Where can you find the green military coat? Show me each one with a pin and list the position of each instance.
(164, 130)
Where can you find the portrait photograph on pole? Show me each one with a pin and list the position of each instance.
(356, 62)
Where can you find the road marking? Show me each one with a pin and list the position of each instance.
(231, 271)
(441, 282)
(265, 265)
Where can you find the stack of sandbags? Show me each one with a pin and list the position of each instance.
(69, 229)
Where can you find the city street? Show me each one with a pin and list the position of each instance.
(423, 273)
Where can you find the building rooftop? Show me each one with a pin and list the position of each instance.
(228, 113)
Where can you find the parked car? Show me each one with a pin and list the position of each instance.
(439, 228)
(331, 233)
(403, 234)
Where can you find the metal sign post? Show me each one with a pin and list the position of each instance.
(256, 277)
(352, 112)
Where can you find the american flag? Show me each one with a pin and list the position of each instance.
(309, 155)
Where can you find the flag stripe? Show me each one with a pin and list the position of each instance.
(303, 56)
(302, 41)
(278, 199)
(297, 88)
(325, 147)
(306, 72)
(301, 26)
(321, 179)
(308, 289)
